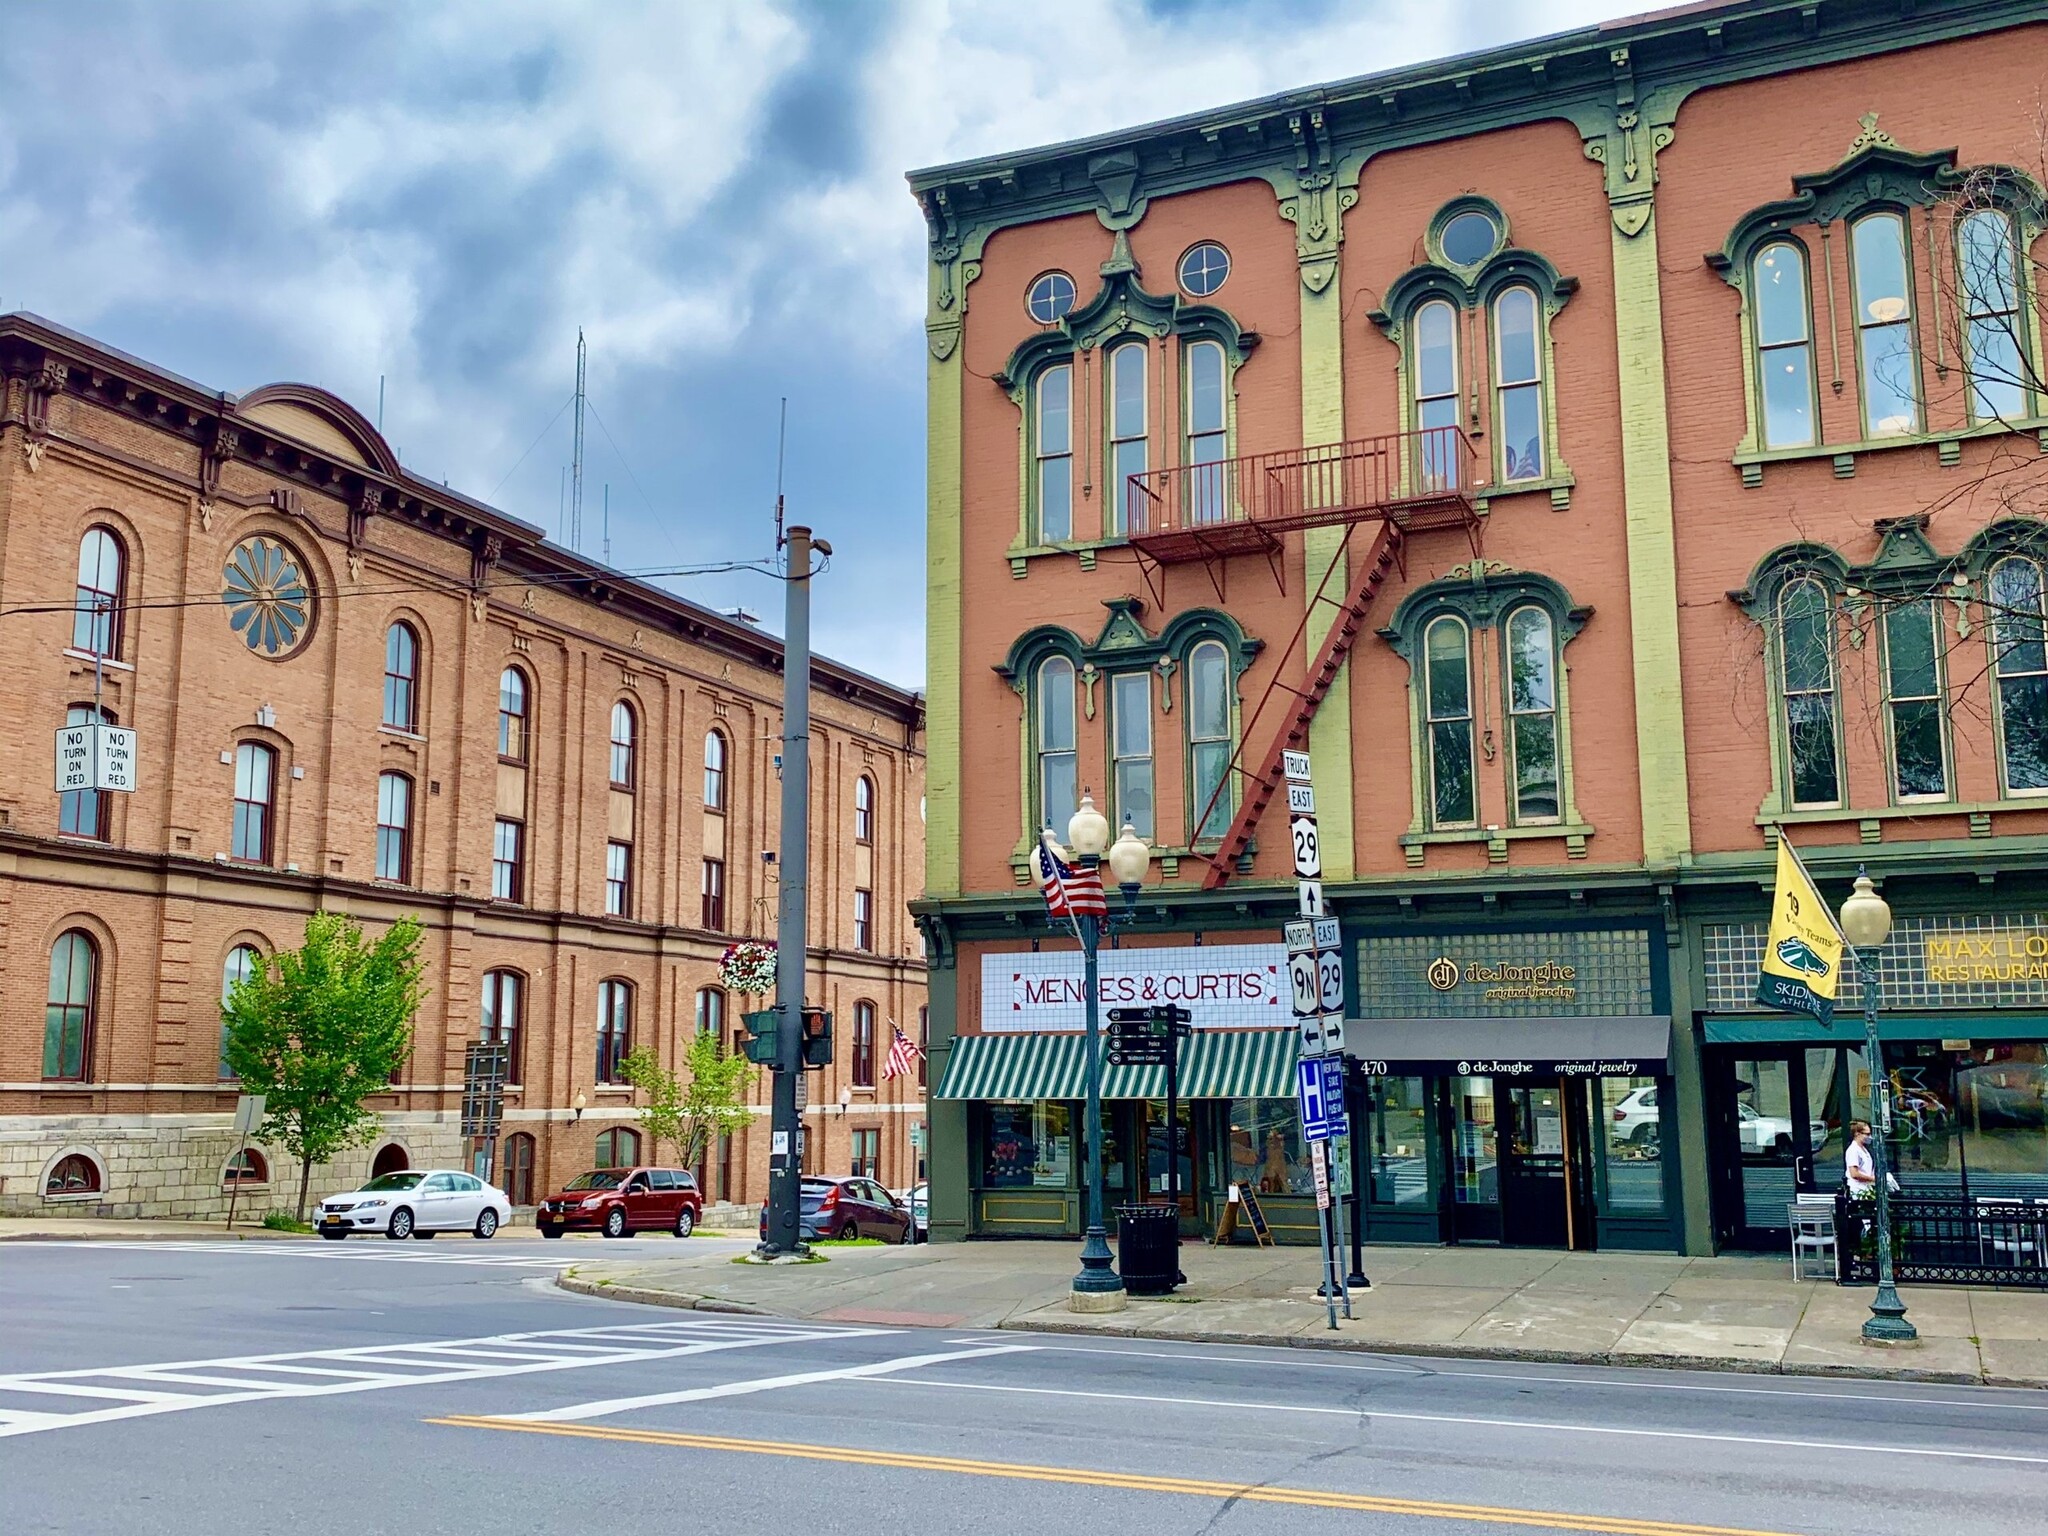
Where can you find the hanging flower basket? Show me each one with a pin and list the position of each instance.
(748, 966)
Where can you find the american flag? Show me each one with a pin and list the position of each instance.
(1069, 892)
(902, 1054)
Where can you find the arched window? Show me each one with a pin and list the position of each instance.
(863, 809)
(1436, 390)
(623, 726)
(390, 1158)
(1783, 319)
(1052, 451)
(1447, 704)
(239, 966)
(1208, 727)
(246, 1167)
(1994, 335)
(401, 678)
(711, 1013)
(85, 812)
(863, 1044)
(2019, 645)
(504, 1020)
(1207, 433)
(76, 1174)
(1518, 383)
(618, 1148)
(255, 791)
(96, 626)
(394, 827)
(1130, 742)
(1059, 793)
(1913, 646)
(513, 730)
(714, 770)
(1890, 375)
(518, 1171)
(1806, 645)
(1127, 431)
(614, 1027)
(71, 1007)
(1532, 714)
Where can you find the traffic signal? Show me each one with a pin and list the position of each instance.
(817, 1037)
(764, 1037)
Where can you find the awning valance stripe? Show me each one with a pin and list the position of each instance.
(1221, 1064)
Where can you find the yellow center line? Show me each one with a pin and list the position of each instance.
(1613, 1525)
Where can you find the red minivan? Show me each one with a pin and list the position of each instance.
(619, 1201)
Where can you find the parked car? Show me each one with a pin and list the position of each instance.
(848, 1208)
(620, 1201)
(920, 1203)
(1635, 1117)
(420, 1202)
(1771, 1133)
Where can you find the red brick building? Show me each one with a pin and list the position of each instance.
(1605, 456)
(357, 690)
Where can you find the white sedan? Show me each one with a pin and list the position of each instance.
(416, 1203)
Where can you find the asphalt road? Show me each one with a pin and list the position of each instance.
(171, 1387)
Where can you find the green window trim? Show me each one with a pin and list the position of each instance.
(1122, 648)
(1876, 177)
(1121, 313)
(1474, 294)
(2010, 305)
(1485, 596)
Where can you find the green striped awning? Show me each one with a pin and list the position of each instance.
(1220, 1064)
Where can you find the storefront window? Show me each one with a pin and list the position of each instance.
(1475, 1173)
(1397, 1131)
(2001, 1098)
(1029, 1145)
(1157, 1142)
(1627, 1112)
(1266, 1149)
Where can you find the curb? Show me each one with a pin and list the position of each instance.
(649, 1298)
(155, 1237)
(1506, 1353)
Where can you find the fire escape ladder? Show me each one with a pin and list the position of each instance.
(1262, 774)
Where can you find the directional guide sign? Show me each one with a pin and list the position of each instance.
(1315, 941)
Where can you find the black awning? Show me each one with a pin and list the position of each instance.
(1616, 1046)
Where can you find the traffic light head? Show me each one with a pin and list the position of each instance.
(817, 1037)
(763, 1036)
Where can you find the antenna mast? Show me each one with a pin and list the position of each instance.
(607, 522)
(781, 439)
(576, 471)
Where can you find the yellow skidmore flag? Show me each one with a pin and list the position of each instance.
(1803, 951)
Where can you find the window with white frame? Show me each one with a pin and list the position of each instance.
(1781, 314)
(1052, 446)
(1127, 418)
(1207, 433)
(102, 562)
(1518, 383)
(1532, 714)
(618, 879)
(1447, 718)
(1208, 728)
(1435, 372)
(1059, 794)
(1130, 726)
(1890, 369)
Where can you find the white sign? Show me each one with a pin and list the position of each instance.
(1301, 937)
(1311, 892)
(95, 756)
(1308, 848)
(1223, 986)
(1295, 765)
(778, 1144)
(1312, 1035)
(1316, 1150)
(1302, 982)
(1330, 981)
(1301, 799)
(248, 1113)
(1333, 1034)
(1327, 933)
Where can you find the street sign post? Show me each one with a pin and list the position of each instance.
(248, 1115)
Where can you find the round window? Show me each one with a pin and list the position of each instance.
(269, 602)
(1468, 238)
(1050, 297)
(1203, 269)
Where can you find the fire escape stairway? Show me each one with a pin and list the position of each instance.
(1263, 775)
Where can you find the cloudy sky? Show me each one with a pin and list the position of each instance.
(440, 194)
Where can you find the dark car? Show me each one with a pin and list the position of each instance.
(619, 1201)
(849, 1208)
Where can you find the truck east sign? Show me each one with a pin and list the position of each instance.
(1223, 986)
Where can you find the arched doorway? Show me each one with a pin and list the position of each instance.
(390, 1158)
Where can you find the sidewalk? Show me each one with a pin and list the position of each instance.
(1736, 1313)
(87, 1228)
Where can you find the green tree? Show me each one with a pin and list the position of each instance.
(688, 1109)
(319, 1029)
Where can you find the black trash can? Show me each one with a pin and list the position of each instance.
(1148, 1248)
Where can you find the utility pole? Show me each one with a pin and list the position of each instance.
(785, 1139)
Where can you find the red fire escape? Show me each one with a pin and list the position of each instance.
(1379, 490)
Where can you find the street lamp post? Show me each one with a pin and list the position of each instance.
(1098, 1287)
(1866, 921)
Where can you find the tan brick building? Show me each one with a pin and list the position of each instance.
(357, 690)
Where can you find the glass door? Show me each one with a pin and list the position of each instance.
(1179, 1145)
(1534, 1156)
(1475, 1161)
(1779, 1127)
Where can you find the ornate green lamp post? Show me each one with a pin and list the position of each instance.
(1866, 922)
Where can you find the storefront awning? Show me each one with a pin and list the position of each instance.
(1585, 1046)
(1216, 1064)
(1798, 1029)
